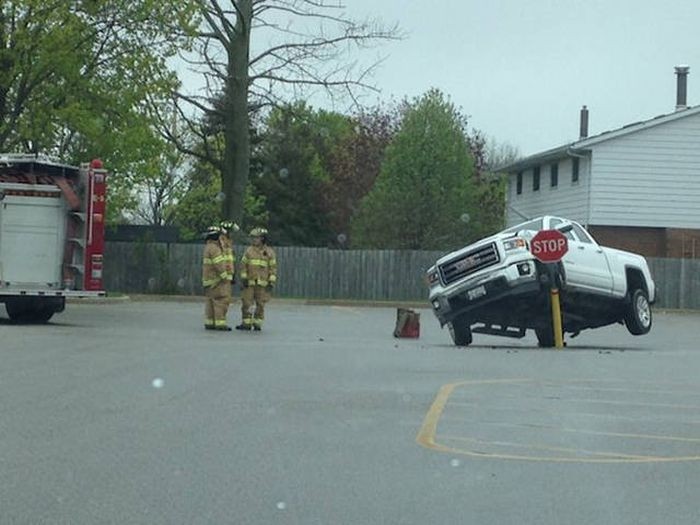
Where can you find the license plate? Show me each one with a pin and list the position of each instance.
(475, 293)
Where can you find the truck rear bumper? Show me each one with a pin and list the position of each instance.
(8, 292)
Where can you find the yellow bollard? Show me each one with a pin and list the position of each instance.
(556, 319)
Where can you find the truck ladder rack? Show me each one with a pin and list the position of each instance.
(80, 268)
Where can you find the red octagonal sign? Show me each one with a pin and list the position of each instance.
(549, 245)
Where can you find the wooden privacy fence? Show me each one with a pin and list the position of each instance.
(313, 273)
(677, 282)
(320, 273)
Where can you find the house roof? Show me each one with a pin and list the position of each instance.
(583, 145)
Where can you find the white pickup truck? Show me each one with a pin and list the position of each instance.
(496, 286)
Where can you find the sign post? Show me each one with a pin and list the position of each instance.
(549, 246)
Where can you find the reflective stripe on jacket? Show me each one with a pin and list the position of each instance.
(259, 266)
(229, 257)
(213, 264)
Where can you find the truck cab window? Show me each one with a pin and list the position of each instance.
(582, 234)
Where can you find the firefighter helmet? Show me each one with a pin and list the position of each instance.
(213, 232)
(258, 232)
(229, 226)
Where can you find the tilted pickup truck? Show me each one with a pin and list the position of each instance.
(496, 286)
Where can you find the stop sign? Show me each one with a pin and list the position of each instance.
(549, 245)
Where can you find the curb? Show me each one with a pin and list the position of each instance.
(280, 300)
(308, 302)
(98, 300)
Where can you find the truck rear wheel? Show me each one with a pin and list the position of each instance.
(33, 310)
(460, 331)
(638, 315)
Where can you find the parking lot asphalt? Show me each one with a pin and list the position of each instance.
(129, 412)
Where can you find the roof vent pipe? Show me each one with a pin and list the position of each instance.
(681, 87)
(583, 128)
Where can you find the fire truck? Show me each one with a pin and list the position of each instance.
(51, 234)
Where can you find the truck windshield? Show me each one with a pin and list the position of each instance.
(534, 225)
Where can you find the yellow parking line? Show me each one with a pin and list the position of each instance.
(545, 447)
(591, 401)
(427, 436)
(656, 437)
(631, 403)
(628, 390)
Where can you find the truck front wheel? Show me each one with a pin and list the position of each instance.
(461, 331)
(638, 313)
(545, 337)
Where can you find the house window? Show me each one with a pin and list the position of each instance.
(554, 175)
(519, 183)
(574, 169)
(536, 179)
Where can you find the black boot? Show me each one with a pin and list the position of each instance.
(243, 327)
(257, 327)
(223, 328)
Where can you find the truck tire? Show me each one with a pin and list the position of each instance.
(27, 310)
(545, 337)
(460, 331)
(41, 315)
(638, 313)
(18, 310)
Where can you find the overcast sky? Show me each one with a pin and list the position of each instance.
(522, 69)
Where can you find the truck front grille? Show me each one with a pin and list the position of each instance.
(469, 263)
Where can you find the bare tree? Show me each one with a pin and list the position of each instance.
(308, 44)
(159, 193)
(500, 154)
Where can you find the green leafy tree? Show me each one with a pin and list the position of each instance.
(490, 185)
(489, 215)
(291, 170)
(74, 77)
(353, 165)
(310, 44)
(199, 206)
(424, 197)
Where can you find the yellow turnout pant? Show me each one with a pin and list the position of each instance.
(217, 300)
(254, 295)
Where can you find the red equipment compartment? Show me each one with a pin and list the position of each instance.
(95, 225)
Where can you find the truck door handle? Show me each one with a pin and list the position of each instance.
(581, 247)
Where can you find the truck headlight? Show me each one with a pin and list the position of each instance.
(524, 268)
(433, 278)
(515, 244)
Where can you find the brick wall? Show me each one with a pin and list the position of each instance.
(672, 243)
(682, 244)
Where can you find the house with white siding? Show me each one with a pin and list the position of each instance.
(635, 188)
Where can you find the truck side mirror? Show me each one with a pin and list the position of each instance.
(565, 228)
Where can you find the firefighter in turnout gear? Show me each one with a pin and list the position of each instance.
(258, 277)
(229, 228)
(216, 280)
(226, 239)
